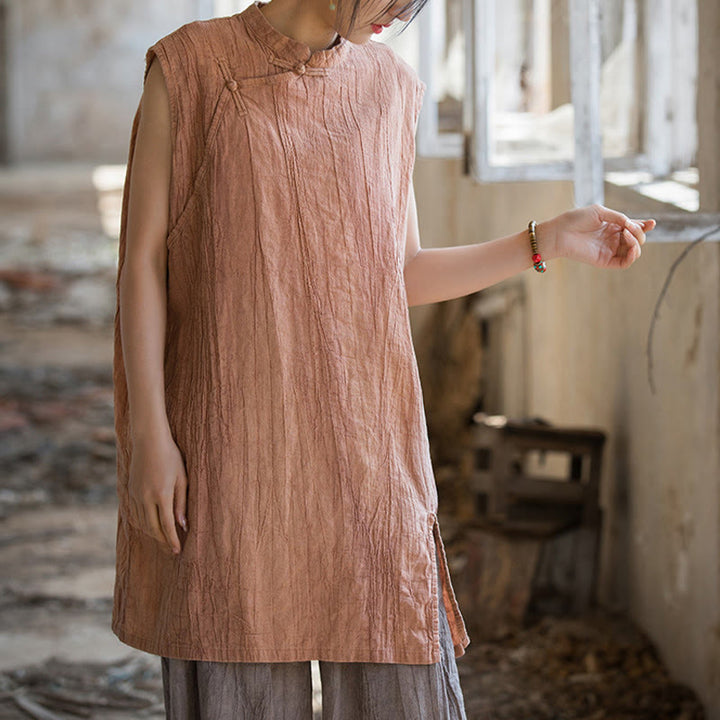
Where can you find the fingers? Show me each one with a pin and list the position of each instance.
(645, 226)
(612, 216)
(152, 522)
(181, 502)
(167, 522)
(136, 514)
(156, 516)
(634, 250)
(637, 228)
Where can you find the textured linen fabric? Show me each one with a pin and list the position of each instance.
(283, 691)
(291, 382)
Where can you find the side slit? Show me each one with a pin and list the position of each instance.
(458, 630)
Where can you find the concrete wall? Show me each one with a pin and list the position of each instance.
(574, 351)
(75, 73)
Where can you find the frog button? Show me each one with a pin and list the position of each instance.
(300, 69)
(231, 85)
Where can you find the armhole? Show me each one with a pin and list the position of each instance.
(198, 116)
(157, 51)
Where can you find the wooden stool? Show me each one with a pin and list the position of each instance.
(510, 500)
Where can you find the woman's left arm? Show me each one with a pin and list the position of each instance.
(593, 234)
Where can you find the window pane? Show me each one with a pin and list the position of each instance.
(531, 115)
(449, 64)
(620, 99)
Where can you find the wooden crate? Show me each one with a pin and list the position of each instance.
(510, 500)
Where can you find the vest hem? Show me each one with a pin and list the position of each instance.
(186, 651)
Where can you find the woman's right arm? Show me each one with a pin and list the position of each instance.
(157, 483)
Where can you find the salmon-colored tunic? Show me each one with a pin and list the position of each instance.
(292, 389)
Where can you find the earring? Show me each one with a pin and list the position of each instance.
(333, 6)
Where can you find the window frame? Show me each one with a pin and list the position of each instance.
(587, 170)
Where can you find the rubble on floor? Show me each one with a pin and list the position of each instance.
(594, 667)
(56, 690)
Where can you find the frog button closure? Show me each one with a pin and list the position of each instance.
(232, 86)
(300, 69)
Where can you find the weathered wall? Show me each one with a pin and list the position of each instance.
(75, 73)
(575, 353)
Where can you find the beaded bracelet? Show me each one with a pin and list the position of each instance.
(538, 263)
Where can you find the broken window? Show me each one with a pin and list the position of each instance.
(538, 90)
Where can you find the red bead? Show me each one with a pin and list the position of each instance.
(536, 257)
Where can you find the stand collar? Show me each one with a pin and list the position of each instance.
(286, 51)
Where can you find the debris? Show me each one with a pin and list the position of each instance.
(56, 690)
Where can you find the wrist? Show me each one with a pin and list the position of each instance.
(547, 240)
(150, 431)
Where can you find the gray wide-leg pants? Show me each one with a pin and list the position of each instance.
(202, 690)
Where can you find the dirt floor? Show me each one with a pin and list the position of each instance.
(59, 658)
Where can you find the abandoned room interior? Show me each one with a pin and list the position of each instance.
(573, 415)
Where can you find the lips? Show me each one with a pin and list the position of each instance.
(378, 28)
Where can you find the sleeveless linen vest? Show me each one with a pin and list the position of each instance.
(291, 383)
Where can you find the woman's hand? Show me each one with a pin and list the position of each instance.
(600, 236)
(157, 488)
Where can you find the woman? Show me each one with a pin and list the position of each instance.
(276, 496)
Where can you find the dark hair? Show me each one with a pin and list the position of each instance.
(415, 6)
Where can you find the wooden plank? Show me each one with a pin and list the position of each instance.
(498, 499)
(585, 85)
(681, 227)
(684, 86)
(483, 79)
(430, 43)
(551, 439)
(533, 487)
(586, 565)
(559, 491)
(496, 582)
(657, 35)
